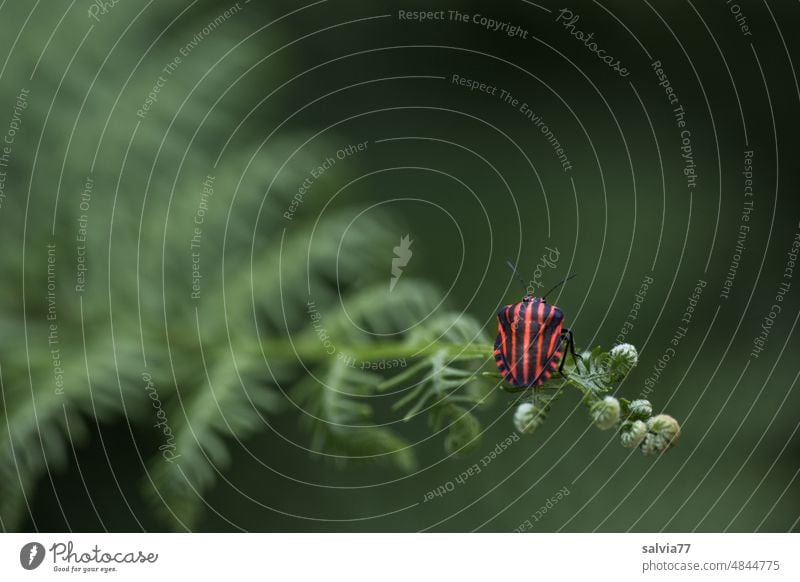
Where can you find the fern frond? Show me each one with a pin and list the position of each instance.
(230, 404)
(338, 416)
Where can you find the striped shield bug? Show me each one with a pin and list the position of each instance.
(531, 339)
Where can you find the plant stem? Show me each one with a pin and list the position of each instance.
(316, 351)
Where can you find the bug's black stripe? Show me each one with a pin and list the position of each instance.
(521, 348)
(552, 353)
(542, 309)
(547, 336)
(523, 329)
(535, 338)
(529, 335)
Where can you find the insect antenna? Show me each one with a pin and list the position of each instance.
(514, 270)
(557, 285)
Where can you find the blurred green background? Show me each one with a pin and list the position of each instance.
(261, 96)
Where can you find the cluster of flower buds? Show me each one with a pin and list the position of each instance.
(652, 434)
(637, 426)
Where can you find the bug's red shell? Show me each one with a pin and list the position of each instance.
(528, 345)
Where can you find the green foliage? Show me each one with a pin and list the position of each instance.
(217, 367)
(335, 412)
(194, 377)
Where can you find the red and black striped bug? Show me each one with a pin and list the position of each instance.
(530, 340)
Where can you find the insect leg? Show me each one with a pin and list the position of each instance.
(564, 359)
(572, 345)
(566, 335)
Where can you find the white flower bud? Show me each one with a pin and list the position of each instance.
(623, 357)
(665, 426)
(664, 432)
(633, 435)
(528, 417)
(605, 413)
(641, 409)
